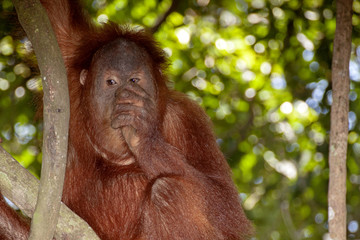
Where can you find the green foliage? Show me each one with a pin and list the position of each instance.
(261, 70)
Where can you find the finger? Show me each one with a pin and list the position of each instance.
(126, 114)
(128, 109)
(130, 136)
(134, 92)
(122, 121)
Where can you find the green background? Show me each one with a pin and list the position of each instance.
(262, 71)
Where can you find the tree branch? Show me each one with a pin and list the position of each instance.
(37, 26)
(20, 187)
(163, 18)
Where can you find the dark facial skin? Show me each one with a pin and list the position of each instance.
(122, 94)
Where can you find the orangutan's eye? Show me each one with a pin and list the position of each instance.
(110, 82)
(134, 80)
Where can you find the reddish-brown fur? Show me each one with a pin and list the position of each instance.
(179, 186)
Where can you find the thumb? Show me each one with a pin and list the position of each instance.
(130, 136)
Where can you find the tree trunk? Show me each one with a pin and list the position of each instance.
(339, 121)
(37, 26)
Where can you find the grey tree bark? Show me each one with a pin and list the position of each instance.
(339, 121)
(21, 187)
(37, 26)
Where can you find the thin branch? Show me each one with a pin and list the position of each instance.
(287, 219)
(163, 18)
